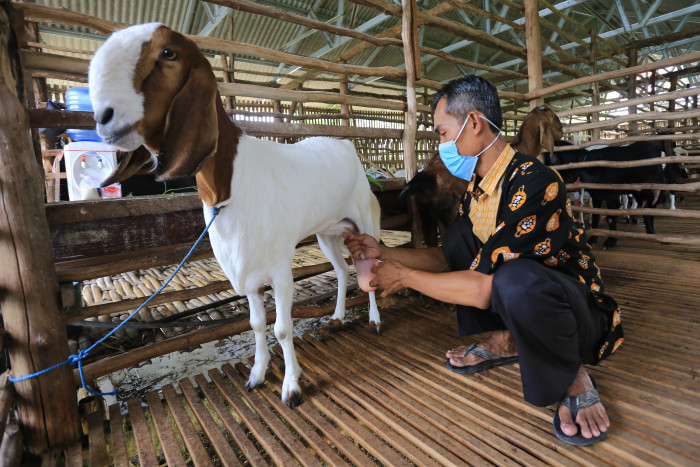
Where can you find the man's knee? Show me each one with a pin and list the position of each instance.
(516, 285)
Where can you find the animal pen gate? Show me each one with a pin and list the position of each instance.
(37, 342)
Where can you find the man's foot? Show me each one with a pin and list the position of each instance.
(500, 343)
(591, 422)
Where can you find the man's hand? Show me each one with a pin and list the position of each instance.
(389, 278)
(362, 246)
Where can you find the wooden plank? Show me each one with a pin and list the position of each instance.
(216, 438)
(402, 392)
(195, 448)
(318, 419)
(428, 424)
(168, 442)
(120, 457)
(356, 420)
(274, 404)
(142, 436)
(96, 438)
(266, 439)
(74, 454)
(245, 445)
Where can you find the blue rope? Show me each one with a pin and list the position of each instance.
(78, 358)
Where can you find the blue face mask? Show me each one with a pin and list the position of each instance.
(462, 166)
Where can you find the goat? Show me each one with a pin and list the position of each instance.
(438, 193)
(646, 174)
(152, 86)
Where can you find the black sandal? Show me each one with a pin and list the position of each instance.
(576, 403)
(490, 360)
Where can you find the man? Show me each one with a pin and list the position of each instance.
(515, 263)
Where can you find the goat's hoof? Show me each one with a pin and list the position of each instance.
(335, 325)
(592, 240)
(293, 399)
(376, 327)
(609, 245)
(251, 385)
(635, 221)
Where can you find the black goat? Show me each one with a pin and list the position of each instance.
(610, 175)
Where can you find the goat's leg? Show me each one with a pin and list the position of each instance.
(283, 286)
(613, 202)
(262, 353)
(331, 247)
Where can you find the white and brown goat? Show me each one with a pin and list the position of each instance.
(152, 86)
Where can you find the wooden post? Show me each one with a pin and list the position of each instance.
(632, 87)
(47, 409)
(344, 108)
(534, 50)
(672, 102)
(411, 52)
(596, 89)
(652, 92)
(409, 35)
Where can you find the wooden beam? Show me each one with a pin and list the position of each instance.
(631, 139)
(282, 15)
(625, 103)
(628, 164)
(534, 51)
(46, 404)
(694, 56)
(632, 118)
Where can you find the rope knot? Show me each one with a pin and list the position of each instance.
(75, 359)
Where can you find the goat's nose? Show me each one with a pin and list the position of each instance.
(105, 116)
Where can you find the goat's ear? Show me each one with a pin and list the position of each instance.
(546, 136)
(191, 130)
(130, 163)
(422, 183)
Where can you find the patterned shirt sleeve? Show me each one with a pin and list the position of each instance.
(535, 222)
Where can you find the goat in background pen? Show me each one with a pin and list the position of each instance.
(152, 86)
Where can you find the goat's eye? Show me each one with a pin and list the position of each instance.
(169, 54)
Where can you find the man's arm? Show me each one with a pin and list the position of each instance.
(423, 259)
(469, 288)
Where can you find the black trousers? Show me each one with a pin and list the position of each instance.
(554, 319)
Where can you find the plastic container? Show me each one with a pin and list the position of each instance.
(79, 99)
(365, 274)
(88, 163)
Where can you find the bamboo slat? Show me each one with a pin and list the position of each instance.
(168, 442)
(142, 436)
(118, 444)
(197, 452)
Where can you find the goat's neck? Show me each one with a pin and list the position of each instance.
(214, 178)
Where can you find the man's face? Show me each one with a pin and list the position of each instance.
(446, 126)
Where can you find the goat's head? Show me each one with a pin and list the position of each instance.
(540, 129)
(152, 86)
(437, 193)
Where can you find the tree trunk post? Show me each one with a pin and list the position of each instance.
(533, 44)
(47, 408)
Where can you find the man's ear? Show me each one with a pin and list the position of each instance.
(191, 130)
(130, 163)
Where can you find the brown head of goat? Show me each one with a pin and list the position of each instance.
(152, 86)
(540, 129)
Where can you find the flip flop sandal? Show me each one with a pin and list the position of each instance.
(576, 403)
(490, 360)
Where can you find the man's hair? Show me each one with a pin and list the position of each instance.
(468, 93)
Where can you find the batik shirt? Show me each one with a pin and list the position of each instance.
(535, 221)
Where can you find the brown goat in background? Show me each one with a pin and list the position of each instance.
(438, 193)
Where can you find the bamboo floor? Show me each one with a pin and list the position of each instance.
(389, 400)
